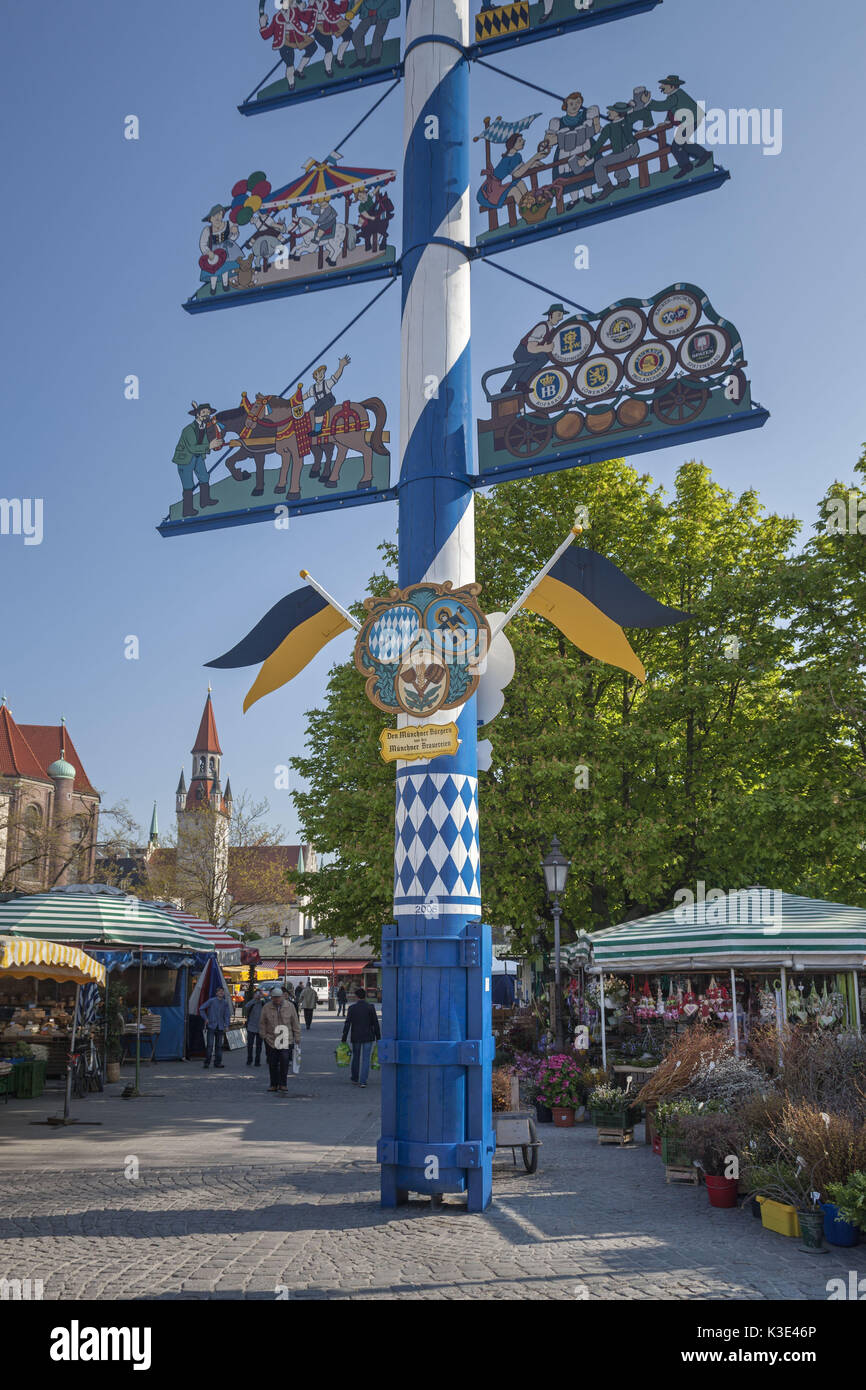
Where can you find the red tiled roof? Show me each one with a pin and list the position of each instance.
(206, 739)
(47, 742)
(17, 758)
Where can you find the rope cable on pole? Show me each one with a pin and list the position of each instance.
(521, 80)
(554, 294)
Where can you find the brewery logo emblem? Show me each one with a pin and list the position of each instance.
(648, 363)
(674, 315)
(704, 349)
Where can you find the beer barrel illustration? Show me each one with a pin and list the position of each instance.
(600, 421)
(632, 412)
(569, 425)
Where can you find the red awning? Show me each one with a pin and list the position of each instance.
(321, 967)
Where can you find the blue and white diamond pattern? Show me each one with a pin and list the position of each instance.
(393, 633)
(436, 843)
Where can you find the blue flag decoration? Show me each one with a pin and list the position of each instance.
(284, 641)
(590, 600)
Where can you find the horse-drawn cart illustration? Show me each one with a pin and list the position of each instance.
(639, 369)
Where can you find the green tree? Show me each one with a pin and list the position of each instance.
(673, 765)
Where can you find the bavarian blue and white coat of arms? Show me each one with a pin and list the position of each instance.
(423, 648)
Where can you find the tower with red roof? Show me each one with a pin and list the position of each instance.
(203, 809)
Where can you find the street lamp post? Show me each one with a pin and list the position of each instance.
(332, 997)
(555, 868)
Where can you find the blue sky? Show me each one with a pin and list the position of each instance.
(102, 247)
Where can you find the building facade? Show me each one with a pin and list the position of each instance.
(49, 811)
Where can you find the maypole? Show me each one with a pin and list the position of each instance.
(436, 1125)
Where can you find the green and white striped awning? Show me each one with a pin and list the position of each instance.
(745, 927)
(105, 918)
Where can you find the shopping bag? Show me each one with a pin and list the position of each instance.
(296, 1058)
(374, 1057)
(343, 1054)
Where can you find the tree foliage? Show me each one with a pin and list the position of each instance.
(742, 759)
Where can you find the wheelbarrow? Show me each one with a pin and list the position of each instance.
(515, 1129)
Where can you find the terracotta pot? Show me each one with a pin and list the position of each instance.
(563, 1116)
(722, 1192)
(112, 1071)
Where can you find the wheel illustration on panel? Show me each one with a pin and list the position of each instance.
(681, 402)
(527, 436)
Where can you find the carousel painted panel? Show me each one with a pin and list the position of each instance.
(590, 163)
(274, 456)
(643, 374)
(329, 225)
(318, 47)
(505, 25)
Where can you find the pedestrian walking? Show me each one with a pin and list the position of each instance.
(217, 1014)
(362, 1030)
(299, 989)
(342, 1000)
(253, 1013)
(309, 1000)
(281, 1031)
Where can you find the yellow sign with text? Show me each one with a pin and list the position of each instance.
(418, 741)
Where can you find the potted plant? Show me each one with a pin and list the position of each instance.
(561, 1088)
(712, 1142)
(526, 1066)
(610, 1106)
(791, 1184)
(845, 1212)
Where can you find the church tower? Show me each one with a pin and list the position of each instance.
(203, 814)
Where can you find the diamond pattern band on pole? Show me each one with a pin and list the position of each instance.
(437, 1132)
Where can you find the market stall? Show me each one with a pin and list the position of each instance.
(127, 936)
(735, 960)
(28, 1033)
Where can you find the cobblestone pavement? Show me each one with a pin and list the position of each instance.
(241, 1194)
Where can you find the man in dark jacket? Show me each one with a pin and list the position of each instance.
(253, 1012)
(362, 1030)
(342, 1001)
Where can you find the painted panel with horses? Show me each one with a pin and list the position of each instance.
(302, 447)
(331, 220)
(592, 161)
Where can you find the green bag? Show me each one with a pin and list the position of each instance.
(343, 1054)
(374, 1057)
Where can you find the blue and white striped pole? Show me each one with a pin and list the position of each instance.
(437, 1045)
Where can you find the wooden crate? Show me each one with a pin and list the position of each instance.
(609, 1134)
(675, 1173)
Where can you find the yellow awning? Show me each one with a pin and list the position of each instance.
(238, 974)
(22, 956)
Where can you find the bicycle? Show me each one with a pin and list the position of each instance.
(86, 1068)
